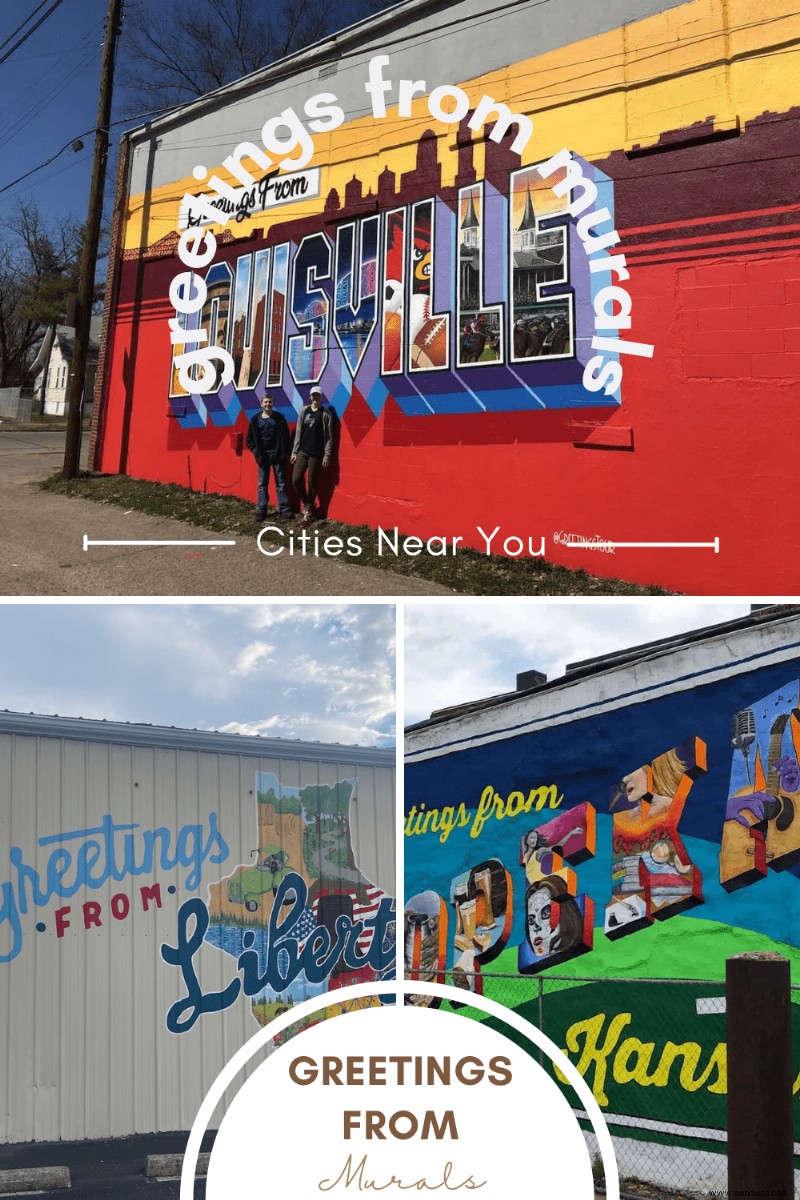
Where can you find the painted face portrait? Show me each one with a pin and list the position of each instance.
(553, 919)
(539, 913)
(634, 786)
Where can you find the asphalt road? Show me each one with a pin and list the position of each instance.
(114, 1169)
(102, 1170)
(41, 547)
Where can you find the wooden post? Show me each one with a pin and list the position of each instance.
(759, 1035)
(72, 446)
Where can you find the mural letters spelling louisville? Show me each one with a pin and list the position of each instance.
(474, 298)
(652, 875)
(300, 920)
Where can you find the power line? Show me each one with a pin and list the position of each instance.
(62, 53)
(23, 121)
(285, 82)
(122, 121)
(19, 28)
(431, 34)
(581, 92)
(32, 30)
(46, 163)
(70, 166)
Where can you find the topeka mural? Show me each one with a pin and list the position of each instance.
(299, 920)
(614, 851)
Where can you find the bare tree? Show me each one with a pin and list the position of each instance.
(18, 332)
(180, 49)
(38, 270)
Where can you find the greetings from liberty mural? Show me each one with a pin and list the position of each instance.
(299, 919)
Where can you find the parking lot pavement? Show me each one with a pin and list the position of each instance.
(105, 1170)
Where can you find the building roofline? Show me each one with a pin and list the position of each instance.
(612, 662)
(200, 740)
(317, 54)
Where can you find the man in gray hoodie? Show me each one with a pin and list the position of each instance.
(313, 446)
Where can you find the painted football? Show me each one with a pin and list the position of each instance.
(429, 350)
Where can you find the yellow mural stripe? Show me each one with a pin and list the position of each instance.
(710, 59)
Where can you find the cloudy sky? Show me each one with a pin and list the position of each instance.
(454, 657)
(321, 673)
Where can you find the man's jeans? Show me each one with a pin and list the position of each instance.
(280, 487)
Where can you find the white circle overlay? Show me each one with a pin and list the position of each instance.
(401, 987)
(323, 1138)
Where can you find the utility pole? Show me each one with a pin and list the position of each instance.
(83, 315)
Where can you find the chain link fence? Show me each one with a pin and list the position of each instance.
(653, 1052)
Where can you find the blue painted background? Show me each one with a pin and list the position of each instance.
(585, 758)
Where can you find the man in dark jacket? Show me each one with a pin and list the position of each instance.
(268, 438)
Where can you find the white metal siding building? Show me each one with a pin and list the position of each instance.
(106, 829)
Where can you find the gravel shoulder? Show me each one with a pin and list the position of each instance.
(42, 534)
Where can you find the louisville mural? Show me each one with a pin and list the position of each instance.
(449, 298)
(368, 303)
(596, 875)
(299, 920)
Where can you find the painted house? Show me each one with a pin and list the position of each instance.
(589, 851)
(471, 225)
(136, 863)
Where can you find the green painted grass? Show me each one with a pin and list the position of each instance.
(680, 948)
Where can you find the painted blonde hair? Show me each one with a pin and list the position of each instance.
(666, 772)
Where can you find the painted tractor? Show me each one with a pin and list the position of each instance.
(254, 882)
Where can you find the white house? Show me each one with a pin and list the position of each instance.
(55, 401)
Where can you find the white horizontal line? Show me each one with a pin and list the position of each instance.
(694, 1131)
(87, 542)
(710, 1135)
(589, 544)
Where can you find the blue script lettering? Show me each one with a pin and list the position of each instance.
(107, 851)
(195, 1001)
(319, 954)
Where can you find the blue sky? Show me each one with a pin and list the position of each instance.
(452, 658)
(317, 672)
(48, 97)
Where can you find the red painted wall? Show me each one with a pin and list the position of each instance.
(703, 446)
